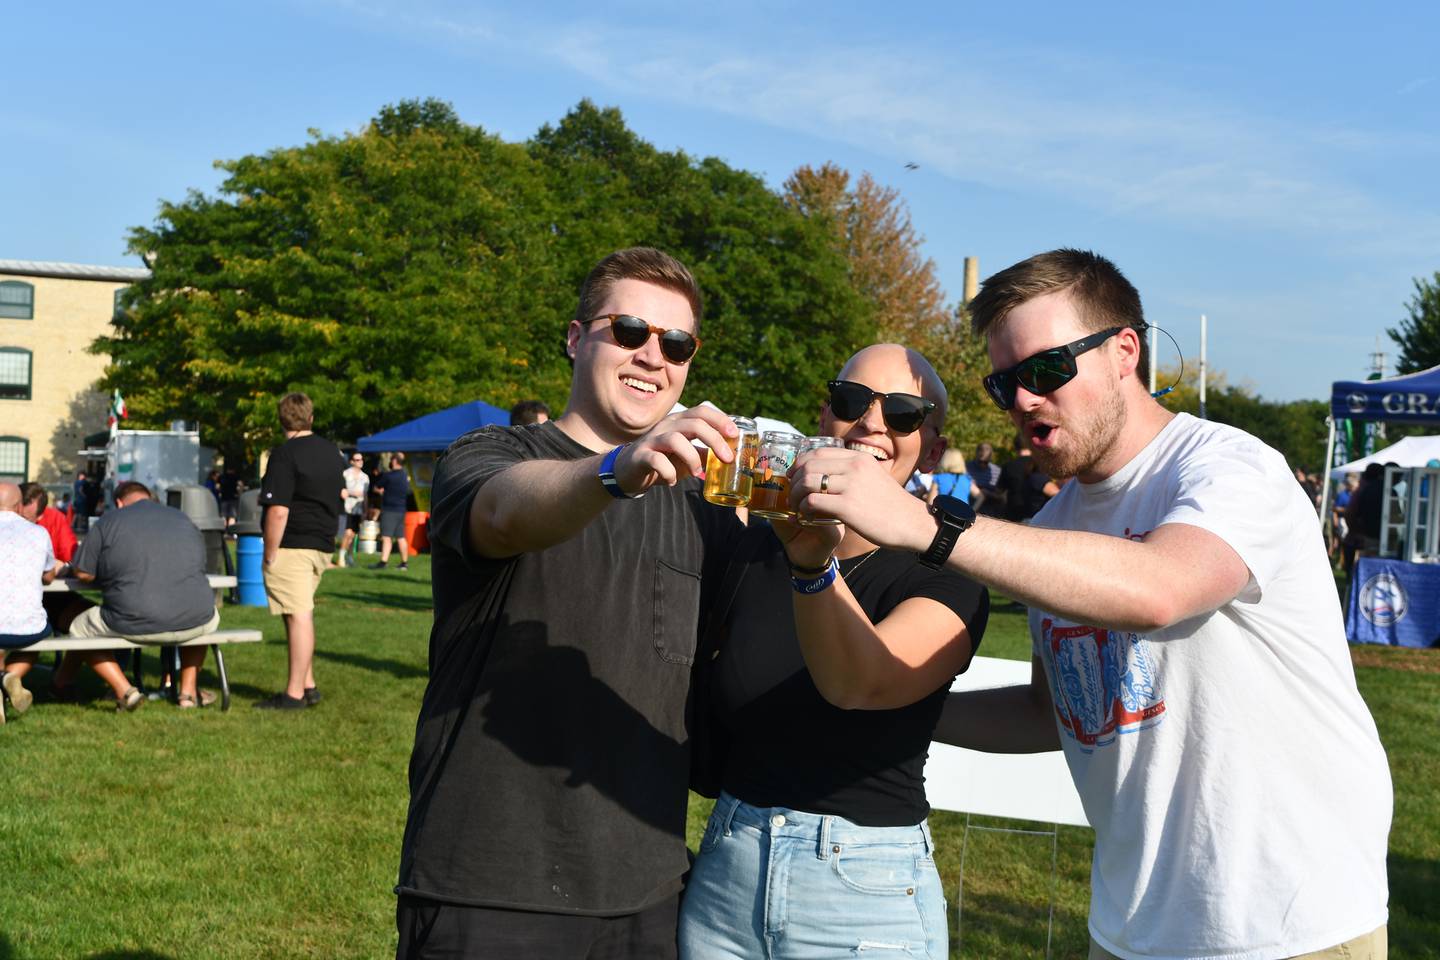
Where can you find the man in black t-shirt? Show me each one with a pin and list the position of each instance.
(394, 489)
(1027, 488)
(301, 498)
(548, 785)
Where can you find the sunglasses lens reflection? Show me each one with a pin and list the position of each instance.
(632, 332)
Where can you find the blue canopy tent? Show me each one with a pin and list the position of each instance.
(1412, 398)
(435, 431)
(424, 438)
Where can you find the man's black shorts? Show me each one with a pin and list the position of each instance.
(352, 521)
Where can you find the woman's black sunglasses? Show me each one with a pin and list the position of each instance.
(903, 412)
(1045, 372)
(632, 332)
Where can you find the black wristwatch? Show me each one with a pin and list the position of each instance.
(955, 517)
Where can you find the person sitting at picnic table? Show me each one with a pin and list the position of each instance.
(60, 608)
(26, 564)
(149, 562)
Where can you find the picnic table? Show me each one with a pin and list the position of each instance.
(218, 582)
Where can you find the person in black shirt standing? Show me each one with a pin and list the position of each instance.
(548, 784)
(832, 665)
(1026, 487)
(301, 498)
(394, 489)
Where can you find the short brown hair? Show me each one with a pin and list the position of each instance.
(297, 412)
(130, 487)
(638, 263)
(1102, 297)
(34, 493)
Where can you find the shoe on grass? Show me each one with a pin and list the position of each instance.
(187, 701)
(379, 566)
(129, 700)
(403, 566)
(20, 698)
(312, 696)
(282, 701)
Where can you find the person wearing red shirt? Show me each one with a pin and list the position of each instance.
(35, 507)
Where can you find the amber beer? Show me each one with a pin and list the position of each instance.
(770, 487)
(728, 484)
(815, 443)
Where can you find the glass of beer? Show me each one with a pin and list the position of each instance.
(728, 484)
(770, 483)
(815, 443)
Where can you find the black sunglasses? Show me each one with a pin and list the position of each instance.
(1045, 372)
(903, 412)
(677, 345)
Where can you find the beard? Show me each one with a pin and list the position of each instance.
(1090, 438)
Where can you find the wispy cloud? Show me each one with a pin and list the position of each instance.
(1414, 85)
(1104, 134)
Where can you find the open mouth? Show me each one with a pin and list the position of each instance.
(1040, 432)
(640, 386)
(875, 452)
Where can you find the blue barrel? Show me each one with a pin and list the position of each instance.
(249, 552)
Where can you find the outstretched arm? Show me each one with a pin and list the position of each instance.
(1175, 572)
(539, 503)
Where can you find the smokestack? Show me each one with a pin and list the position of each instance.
(972, 277)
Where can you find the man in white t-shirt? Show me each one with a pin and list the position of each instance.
(357, 485)
(1189, 651)
(27, 562)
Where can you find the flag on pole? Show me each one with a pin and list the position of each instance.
(118, 411)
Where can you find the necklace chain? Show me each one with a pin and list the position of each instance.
(857, 566)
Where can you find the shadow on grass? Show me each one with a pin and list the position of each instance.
(988, 923)
(396, 668)
(1414, 910)
(130, 955)
(389, 601)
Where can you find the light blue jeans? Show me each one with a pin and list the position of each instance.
(778, 884)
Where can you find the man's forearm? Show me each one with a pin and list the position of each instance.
(534, 505)
(1014, 719)
(276, 519)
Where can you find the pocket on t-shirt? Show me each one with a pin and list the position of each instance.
(676, 613)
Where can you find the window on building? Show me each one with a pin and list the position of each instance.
(119, 308)
(17, 300)
(14, 459)
(14, 373)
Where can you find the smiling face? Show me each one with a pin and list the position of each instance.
(1074, 431)
(888, 368)
(618, 394)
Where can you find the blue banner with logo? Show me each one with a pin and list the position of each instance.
(1412, 398)
(1394, 603)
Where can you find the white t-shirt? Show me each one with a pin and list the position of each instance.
(1240, 795)
(25, 555)
(357, 483)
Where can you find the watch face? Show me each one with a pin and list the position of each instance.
(955, 507)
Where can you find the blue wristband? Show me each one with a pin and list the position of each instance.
(607, 476)
(816, 584)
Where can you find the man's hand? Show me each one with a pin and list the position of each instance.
(668, 452)
(859, 491)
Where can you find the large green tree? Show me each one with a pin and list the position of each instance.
(1418, 335)
(423, 262)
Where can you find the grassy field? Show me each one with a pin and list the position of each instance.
(166, 834)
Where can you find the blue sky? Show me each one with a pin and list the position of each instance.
(1273, 166)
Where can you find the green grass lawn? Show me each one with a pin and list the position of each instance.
(167, 834)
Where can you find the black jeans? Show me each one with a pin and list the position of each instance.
(430, 930)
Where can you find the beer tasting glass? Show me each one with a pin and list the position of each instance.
(770, 487)
(815, 443)
(728, 484)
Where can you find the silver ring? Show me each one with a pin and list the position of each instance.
(824, 483)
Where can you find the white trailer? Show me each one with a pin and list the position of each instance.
(160, 459)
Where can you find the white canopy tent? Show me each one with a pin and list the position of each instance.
(1409, 452)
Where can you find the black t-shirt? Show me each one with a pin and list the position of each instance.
(397, 488)
(786, 746)
(551, 761)
(1024, 487)
(306, 474)
(229, 486)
